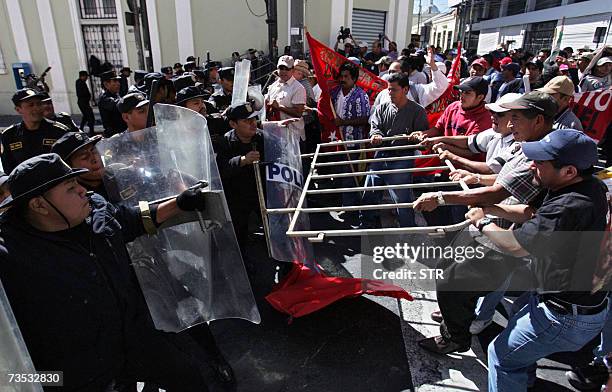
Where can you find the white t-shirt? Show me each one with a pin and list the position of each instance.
(289, 94)
(340, 104)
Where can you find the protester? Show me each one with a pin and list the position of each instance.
(286, 97)
(398, 117)
(561, 89)
(599, 77)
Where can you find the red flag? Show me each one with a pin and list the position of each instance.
(305, 291)
(592, 108)
(436, 108)
(326, 63)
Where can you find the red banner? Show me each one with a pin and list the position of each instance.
(436, 108)
(593, 110)
(326, 63)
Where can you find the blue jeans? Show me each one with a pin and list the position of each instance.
(405, 215)
(534, 333)
(485, 307)
(605, 345)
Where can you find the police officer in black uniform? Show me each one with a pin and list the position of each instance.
(61, 117)
(236, 152)
(79, 151)
(193, 98)
(83, 100)
(83, 312)
(107, 104)
(34, 135)
(223, 98)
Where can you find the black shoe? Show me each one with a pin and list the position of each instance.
(436, 316)
(440, 345)
(588, 378)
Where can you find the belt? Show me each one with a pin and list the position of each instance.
(565, 308)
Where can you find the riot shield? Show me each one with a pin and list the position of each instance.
(191, 272)
(284, 183)
(14, 356)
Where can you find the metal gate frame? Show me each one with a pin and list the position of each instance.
(106, 38)
(320, 235)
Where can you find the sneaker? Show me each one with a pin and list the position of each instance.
(436, 316)
(588, 378)
(478, 326)
(440, 345)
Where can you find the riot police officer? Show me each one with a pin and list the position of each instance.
(193, 98)
(223, 99)
(61, 117)
(34, 135)
(107, 104)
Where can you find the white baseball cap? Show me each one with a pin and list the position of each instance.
(506, 98)
(287, 61)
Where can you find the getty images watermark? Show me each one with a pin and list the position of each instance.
(404, 261)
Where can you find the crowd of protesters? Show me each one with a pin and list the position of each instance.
(512, 136)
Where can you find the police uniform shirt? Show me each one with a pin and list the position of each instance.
(221, 100)
(65, 119)
(111, 117)
(564, 238)
(238, 181)
(19, 143)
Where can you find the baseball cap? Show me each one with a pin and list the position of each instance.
(505, 61)
(514, 67)
(482, 62)
(384, 60)
(566, 146)
(286, 61)
(558, 84)
(506, 98)
(536, 100)
(131, 101)
(355, 60)
(25, 94)
(604, 60)
(563, 67)
(363, 44)
(475, 83)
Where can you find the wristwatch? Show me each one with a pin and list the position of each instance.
(440, 198)
(483, 222)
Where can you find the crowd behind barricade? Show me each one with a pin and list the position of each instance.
(511, 135)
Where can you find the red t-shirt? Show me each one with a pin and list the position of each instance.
(458, 122)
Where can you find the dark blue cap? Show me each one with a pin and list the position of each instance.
(188, 93)
(25, 94)
(566, 146)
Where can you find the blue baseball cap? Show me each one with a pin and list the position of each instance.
(566, 146)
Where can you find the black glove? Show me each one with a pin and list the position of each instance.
(191, 200)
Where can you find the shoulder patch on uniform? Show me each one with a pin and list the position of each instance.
(15, 146)
(48, 142)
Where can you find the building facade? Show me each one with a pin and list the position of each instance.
(65, 34)
(533, 24)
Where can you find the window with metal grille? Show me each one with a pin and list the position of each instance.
(539, 36)
(98, 9)
(102, 41)
(368, 24)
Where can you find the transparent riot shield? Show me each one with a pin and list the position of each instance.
(14, 356)
(192, 270)
(284, 183)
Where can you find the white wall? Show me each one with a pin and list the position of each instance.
(578, 32)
